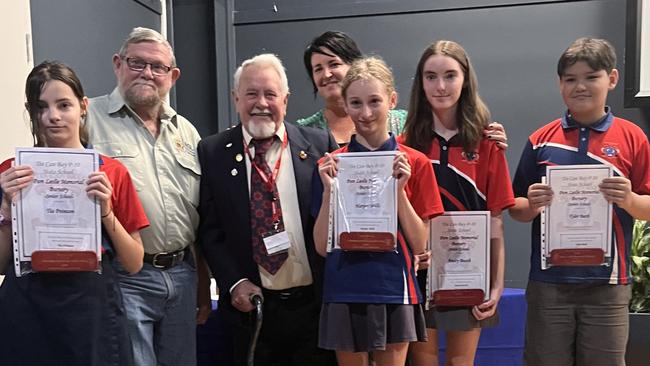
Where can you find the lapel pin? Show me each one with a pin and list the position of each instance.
(302, 155)
(234, 172)
(239, 157)
(229, 144)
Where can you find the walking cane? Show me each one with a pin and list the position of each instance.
(256, 300)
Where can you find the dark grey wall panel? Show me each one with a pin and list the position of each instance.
(514, 49)
(224, 42)
(254, 11)
(194, 48)
(85, 34)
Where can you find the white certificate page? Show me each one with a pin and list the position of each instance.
(54, 212)
(460, 252)
(579, 217)
(365, 198)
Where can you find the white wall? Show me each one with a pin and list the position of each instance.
(15, 65)
(644, 67)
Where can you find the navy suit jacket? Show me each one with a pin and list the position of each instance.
(224, 230)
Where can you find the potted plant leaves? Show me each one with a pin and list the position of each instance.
(640, 251)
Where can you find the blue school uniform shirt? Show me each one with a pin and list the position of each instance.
(611, 141)
(387, 277)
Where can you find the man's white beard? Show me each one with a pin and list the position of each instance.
(260, 130)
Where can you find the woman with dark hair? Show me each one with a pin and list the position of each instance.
(327, 59)
(68, 318)
(446, 122)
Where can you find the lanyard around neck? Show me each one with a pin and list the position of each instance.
(269, 181)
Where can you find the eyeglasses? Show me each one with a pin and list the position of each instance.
(139, 65)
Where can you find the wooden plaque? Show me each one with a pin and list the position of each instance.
(577, 257)
(367, 242)
(64, 261)
(458, 297)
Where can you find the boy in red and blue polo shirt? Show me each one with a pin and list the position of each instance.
(579, 315)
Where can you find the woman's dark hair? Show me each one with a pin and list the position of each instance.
(339, 43)
(472, 115)
(36, 80)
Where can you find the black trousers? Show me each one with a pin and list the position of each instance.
(289, 334)
(67, 318)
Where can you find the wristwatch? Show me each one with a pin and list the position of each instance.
(4, 220)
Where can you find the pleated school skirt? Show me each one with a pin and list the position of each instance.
(369, 327)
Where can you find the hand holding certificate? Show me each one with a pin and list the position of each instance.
(364, 202)
(576, 228)
(57, 226)
(459, 274)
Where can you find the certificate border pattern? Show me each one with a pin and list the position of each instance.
(488, 273)
(22, 260)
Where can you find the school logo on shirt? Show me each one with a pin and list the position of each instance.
(609, 150)
(183, 147)
(470, 157)
(179, 144)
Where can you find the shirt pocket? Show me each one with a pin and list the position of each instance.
(127, 154)
(192, 174)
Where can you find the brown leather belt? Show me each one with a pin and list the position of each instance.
(166, 260)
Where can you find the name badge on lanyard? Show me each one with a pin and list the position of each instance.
(277, 242)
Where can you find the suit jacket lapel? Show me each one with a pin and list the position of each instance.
(236, 170)
(304, 160)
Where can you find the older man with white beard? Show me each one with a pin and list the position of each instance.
(256, 229)
(158, 146)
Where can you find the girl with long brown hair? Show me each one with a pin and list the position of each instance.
(446, 122)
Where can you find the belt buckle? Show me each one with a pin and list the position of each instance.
(178, 257)
(154, 260)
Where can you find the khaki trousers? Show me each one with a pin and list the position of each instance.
(576, 324)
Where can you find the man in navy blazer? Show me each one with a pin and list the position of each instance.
(292, 293)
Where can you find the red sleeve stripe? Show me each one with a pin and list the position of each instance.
(410, 281)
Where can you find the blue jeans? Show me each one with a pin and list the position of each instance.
(161, 314)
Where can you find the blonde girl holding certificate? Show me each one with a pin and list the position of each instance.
(371, 300)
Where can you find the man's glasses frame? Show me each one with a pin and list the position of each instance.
(137, 64)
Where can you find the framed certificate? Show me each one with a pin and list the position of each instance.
(57, 227)
(364, 202)
(459, 274)
(576, 228)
